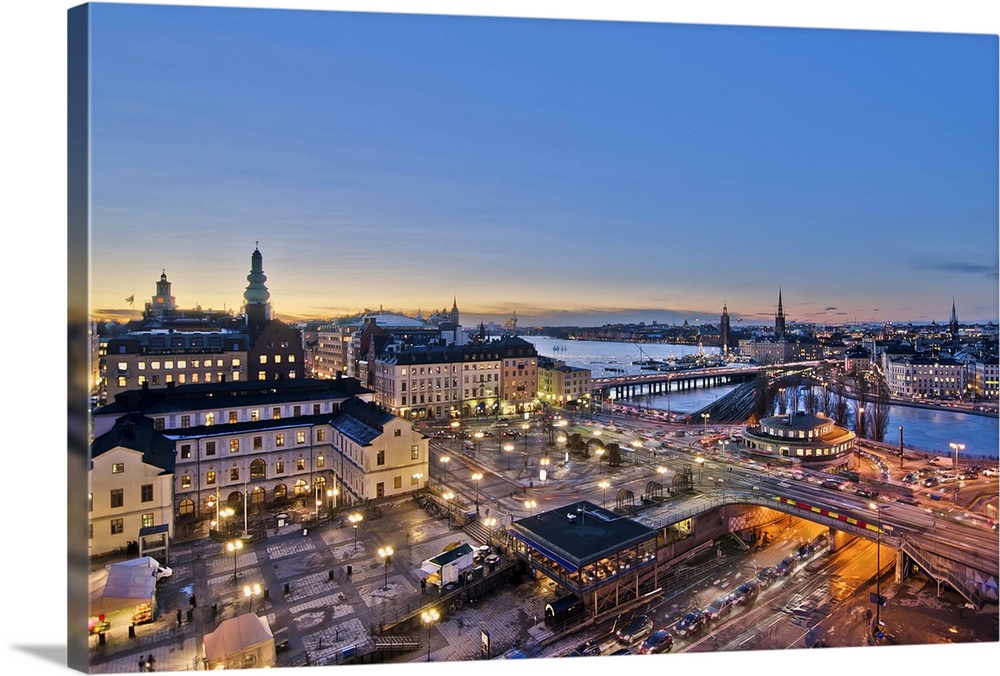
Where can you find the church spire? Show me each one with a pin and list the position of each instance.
(779, 319)
(256, 297)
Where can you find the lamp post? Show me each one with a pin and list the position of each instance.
(956, 447)
(489, 522)
(416, 479)
(226, 513)
(877, 630)
(477, 477)
(250, 592)
(386, 554)
(900, 447)
(543, 472)
(234, 547)
(455, 425)
(448, 497)
(724, 444)
(429, 617)
(509, 448)
(701, 461)
(604, 485)
(524, 430)
(611, 398)
(530, 505)
(705, 416)
(600, 456)
(479, 439)
(355, 519)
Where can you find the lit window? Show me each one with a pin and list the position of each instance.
(210, 478)
(234, 474)
(279, 439)
(117, 526)
(300, 437)
(118, 468)
(147, 520)
(234, 445)
(186, 481)
(321, 461)
(300, 464)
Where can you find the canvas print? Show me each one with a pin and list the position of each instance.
(426, 338)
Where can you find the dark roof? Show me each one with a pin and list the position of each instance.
(574, 537)
(799, 421)
(137, 433)
(218, 395)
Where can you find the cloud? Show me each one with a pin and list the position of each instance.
(828, 309)
(963, 268)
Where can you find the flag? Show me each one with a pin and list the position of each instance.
(130, 299)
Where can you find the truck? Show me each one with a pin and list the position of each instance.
(448, 566)
(941, 461)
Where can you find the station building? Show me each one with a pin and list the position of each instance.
(813, 440)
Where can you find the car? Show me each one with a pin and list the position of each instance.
(867, 492)
(660, 641)
(968, 474)
(784, 567)
(637, 628)
(621, 651)
(929, 481)
(989, 471)
(163, 573)
(720, 607)
(766, 576)
(831, 484)
(947, 478)
(691, 623)
(746, 592)
(803, 552)
(592, 647)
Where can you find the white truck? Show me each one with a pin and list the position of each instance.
(941, 461)
(448, 566)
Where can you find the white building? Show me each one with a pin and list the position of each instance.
(926, 377)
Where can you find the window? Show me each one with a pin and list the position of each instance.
(279, 467)
(185, 421)
(414, 480)
(296, 411)
(186, 481)
(321, 461)
(147, 520)
(279, 439)
(397, 482)
(315, 409)
(146, 492)
(118, 468)
(320, 435)
(122, 382)
(300, 464)
(258, 443)
(380, 458)
(210, 478)
(234, 474)
(209, 448)
(261, 375)
(263, 359)
(276, 413)
(277, 359)
(257, 469)
(414, 452)
(300, 437)
(90, 502)
(397, 432)
(254, 415)
(210, 418)
(117, 497)
(234, 445)
(117, 526)
(90, 531)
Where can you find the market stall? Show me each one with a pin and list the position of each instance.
(242, 642)
(124, 593)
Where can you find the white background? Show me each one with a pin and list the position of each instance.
(33, 265)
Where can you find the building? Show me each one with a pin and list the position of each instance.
(926, 377)
(519, 374)
(725, 332)
(251, 445)
(131, 483)
(813, 440)
(559, 384)
(985, 379)
(857, 360)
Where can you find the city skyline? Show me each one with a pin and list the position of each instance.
(600, 172)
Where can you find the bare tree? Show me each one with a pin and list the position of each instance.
(762, 397)
(862, 397)
(880, 408)
(839, 407)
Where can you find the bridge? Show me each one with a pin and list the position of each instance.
(662, 382)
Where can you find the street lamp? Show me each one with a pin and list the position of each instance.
(509, 448)
(705, 417)
(524, 430)
(250, 592)
(234, 547)
(477, 477)
(604, 485)
(611, 398)
(530, 505)
(701, 461)
(226, 513)
(454, 429)
(479, 439)
(489, 522)
(429, 617)
(877, 629)
(900, 447)
(448, 497)
(723, 444)
(355, 519)
(956, 447)
(543, 472)
(416, 479)
(386, 554)
(600, 455)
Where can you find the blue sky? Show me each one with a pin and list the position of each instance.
(570, 171)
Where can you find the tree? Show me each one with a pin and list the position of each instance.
(880, 409)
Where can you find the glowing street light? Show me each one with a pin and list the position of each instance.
(416, 479)
(701, 461)
(250, 592)
(530, 505)
(429, 617)
(386, 554)
(509, 448)
(355, 519)
(489, 523)
(234, 547)
(524, 430)
(877, 629)
(600, 455)
(705, 417)
(543, 472)
(604, 485)
(479, 439)
(956, 447)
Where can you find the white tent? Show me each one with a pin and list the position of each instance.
(241, 642)
(122, 586)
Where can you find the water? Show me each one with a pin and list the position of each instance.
(923, 429)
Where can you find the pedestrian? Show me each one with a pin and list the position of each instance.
(142, 664)
(192, 601)
(423, 585)
(149, 662)
(178, 617)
